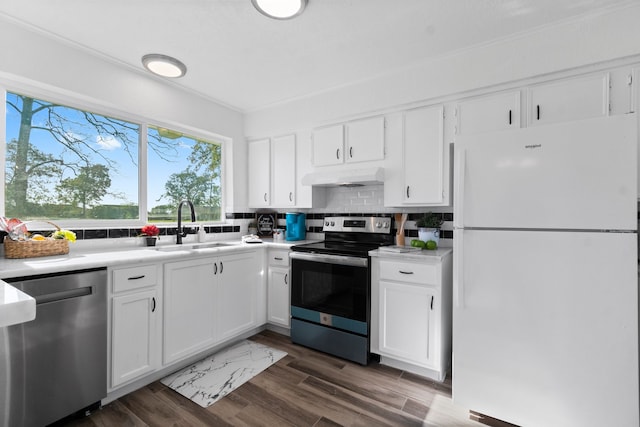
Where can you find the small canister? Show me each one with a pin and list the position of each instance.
(278, 235)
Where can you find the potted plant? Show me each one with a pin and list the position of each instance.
(429, 227)
(150, 233)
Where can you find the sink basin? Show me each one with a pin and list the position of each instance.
(192, 246)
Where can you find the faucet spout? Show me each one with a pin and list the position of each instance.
(180, 233)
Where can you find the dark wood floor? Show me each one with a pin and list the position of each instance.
(306, 388)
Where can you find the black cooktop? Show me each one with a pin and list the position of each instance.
(338, 248)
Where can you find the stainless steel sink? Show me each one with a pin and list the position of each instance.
(192, 246)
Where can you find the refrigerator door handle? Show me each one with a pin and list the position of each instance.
(458, 198)
(458, 270)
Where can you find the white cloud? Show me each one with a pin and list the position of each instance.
(109, 143)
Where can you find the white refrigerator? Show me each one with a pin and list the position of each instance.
(545, 316)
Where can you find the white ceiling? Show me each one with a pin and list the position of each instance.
(245, 60)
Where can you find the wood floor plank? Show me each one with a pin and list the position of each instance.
(372, 390)
(288, 410)
(311, 402)
(362, 404)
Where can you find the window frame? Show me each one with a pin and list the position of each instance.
(85, 103)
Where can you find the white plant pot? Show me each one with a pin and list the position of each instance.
(426, 234)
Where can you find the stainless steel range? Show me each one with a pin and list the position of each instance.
(331, 288)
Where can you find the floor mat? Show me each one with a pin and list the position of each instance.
(212, 378)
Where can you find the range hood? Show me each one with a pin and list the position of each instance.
(345, 178)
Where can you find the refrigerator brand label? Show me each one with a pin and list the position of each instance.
(532, 146)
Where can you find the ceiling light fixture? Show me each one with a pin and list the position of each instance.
(163, 65)
(280, 9)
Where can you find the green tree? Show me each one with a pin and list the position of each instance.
(88, 187)
(40, 169)
(187, 185)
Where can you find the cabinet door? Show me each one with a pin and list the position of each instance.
(489, 113)
(134, 338)
(365, 140)
(407, 322)
(278, 304)
(328, 145)
(284, 171)
(259, 173)
(189, 307)
(574, 99)
(423, 156)
(238, 282)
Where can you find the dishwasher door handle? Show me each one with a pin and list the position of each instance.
(63, 295)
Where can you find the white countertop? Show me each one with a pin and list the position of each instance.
(18, 307)
(15, 306)
(419, 255)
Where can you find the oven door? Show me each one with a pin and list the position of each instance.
(332, 290)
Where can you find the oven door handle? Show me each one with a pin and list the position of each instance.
(330, 259)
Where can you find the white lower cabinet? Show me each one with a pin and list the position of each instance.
(411, 312)
(189, 313)
(236, 302)
(278, 291)
(208, 300)
(136, 315)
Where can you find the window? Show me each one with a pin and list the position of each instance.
(182, 167)
(63, 163)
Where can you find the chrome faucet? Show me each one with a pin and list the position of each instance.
(180, 233)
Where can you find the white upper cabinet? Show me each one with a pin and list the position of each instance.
(572, 99)
(488, 113)
(328, 145)
(283, 159)
(365, 140)
(259, 173)
(423, 156)
(357, 141)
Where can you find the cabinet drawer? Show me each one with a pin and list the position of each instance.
(125, 279)
(279, 258)
(426, 274)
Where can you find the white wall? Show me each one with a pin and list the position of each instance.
(590, 40)
(31, 61)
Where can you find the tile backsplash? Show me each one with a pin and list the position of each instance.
(341, 201)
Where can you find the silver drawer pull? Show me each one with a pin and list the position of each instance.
(136, 277)
(277, 258)
(405, 272)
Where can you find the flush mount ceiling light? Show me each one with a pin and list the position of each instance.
(164, 65)
(280, 9)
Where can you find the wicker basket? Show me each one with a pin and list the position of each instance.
(35, 248)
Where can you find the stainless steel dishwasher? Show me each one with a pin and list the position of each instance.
(55, 365)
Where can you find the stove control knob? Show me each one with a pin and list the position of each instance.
(326, 223)
(333, 223)
(378, 225)
(386, 225)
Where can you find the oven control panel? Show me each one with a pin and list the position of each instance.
(369, 224)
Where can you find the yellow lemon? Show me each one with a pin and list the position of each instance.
(38, 237)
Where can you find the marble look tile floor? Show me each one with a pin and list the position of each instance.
(212, 378)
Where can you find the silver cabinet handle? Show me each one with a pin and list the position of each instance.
(215, 268)
(221, 267)
(277, 258)
(338, 153)
(407, 191)
(431, 302)
(136, 277)
(290, 196)
(405, 272)
(351, 152)
(286, 279)
(153, 300)
(265, 197)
